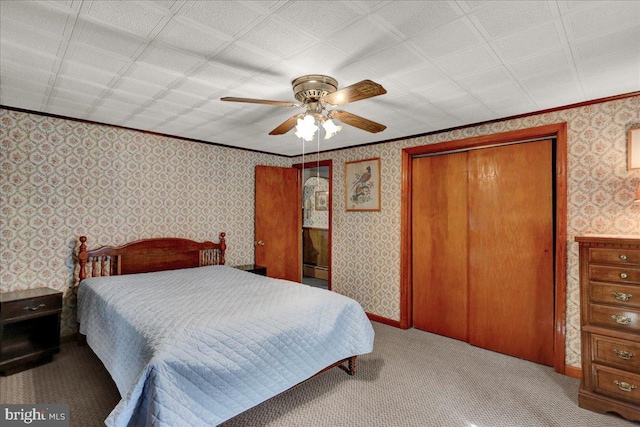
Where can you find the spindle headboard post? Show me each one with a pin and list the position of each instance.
(145, 256)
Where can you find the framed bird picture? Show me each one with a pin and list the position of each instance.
(362, 185)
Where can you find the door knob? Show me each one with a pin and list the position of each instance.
(260, 243)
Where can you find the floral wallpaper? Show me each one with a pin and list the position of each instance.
(62, 178)
(366, 245)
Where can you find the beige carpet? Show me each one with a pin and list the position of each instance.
(412, 378)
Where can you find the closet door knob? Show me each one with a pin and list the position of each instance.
(260, 243)
(623, 275)
(623, 257)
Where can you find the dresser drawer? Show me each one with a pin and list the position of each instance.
(619, 274)
(623, 256)
(616, 383)
(610, 293)
(30, 307)
(617, 353)
(622, 318)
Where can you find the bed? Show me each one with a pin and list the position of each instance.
(190, 341)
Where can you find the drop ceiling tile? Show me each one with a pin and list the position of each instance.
(449, 38)
(166, 58)
(426, 75)
(412, 18)
(79, 98)
(486, 79)
(263, 89)
(133, 16)
(228, 17)
(164, 108)
(277, 38)
(467, 62)
(27, 57)
(182, 98)
(100, 59)
(41, 15)
(108, 116)
(132, 87)
(385, 62)
(142, 122)
(505, 17)
(16, 69)
(73, 85)
(192, 39)
(459, 102)
(245, 58)
(126, 108)
(129, 98)
(68, 107)
(202, 115)
(497, 95)
(110, 39)
(540, 64)
(218, 75)
(326, 16)
(198, 88)
(441, 90)
(216, 108)
(472, 114)
(627, 40)
(321, 58)
(35, 95)
(602, 18)
(622, 63)
(528, 42)
(77, 71)
(152, 75)
(362, 38)
(29, 37)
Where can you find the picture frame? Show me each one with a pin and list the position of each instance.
(633, 148)
(362, 184)
(322, 201)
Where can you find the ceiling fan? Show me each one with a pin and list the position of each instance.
(316, 92)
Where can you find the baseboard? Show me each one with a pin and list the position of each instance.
(573, 372)
(385, 320)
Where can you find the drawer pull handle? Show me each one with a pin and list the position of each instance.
(623, 320)
(624, 386)
(624, 355)
(623, 275)
(621, 296)
(33, 308)
(623, 257)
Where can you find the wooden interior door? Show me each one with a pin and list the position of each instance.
(439, 225)
(278, 244)
(511, 254)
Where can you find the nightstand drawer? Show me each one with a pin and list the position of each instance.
(31, 307)
(616, 383)
(617, 353)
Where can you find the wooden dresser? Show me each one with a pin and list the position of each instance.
(610, 320)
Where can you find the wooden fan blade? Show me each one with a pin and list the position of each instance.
(287, 125)
(361, 90)
(260, 101)
(356, 121)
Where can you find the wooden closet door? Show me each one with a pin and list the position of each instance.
(439, 229)
(511, 286)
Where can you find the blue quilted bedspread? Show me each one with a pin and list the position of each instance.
(196, 347)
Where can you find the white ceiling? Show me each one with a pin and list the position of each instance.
(162, 66)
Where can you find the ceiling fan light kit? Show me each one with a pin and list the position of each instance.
(316, 92)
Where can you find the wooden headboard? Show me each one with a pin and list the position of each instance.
(145, 256)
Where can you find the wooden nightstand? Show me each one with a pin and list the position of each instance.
(252, 268)
(29, 328)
